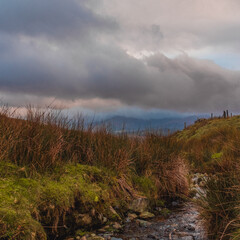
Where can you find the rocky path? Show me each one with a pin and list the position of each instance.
(182, 224)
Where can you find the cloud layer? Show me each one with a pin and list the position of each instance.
(104, 54)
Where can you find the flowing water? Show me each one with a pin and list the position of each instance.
(183, 223)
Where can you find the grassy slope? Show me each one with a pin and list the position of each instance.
(49, 174)
(214, 146)
(202, 128)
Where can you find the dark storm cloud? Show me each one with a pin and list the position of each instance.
(52, 18)
(65, 50)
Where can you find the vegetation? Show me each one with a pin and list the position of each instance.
(213, 146)
(55, 169)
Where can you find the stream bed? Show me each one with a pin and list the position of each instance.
(183, 223)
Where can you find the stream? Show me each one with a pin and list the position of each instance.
(184, 223)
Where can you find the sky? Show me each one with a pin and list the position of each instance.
(136, 57)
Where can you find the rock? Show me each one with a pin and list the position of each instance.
(146, 215)
(113, 238)
(187, 238)
(139, 205)
(84, 238)
(143, 223)
(132, 216)
(116, 225)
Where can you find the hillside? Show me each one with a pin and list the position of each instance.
(58, 181)
(118, 123)
(213, 146)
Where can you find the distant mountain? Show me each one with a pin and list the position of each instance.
(118, 123)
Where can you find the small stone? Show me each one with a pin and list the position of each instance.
(132, 216)
(113, 238)
(83, 238)
(146, 215)
(187, 238)
(143, 223)
(116, 225)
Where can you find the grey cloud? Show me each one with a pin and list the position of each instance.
(51, 18)
(183, 83)
(92, 64)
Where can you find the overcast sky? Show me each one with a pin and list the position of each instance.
(111, 55)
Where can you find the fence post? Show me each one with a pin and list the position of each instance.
(224, 114)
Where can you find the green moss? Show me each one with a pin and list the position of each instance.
(145, 185)
(22, 199)
(17, 204)
(217, 156)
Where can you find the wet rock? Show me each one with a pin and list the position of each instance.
(187, 238)
(146, 215)
(139, 205)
